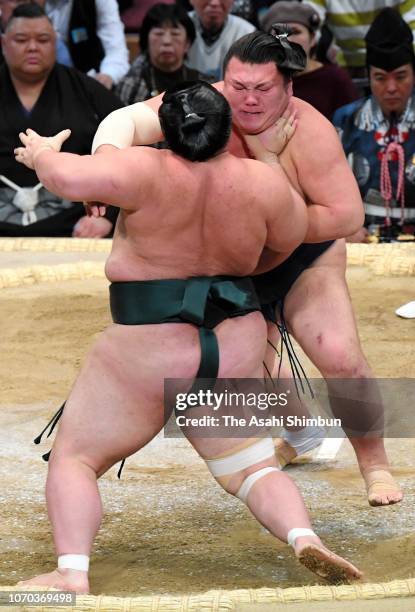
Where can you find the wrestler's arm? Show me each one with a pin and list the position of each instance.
(287, 222)
(290, 212)
(334, 205)
(110, 178)
(137, 124)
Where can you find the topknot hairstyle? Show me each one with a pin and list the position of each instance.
(262, 48)
(196, 120)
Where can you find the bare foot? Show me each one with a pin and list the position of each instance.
(284, 451)
(382, 488)
(62, 579)
(312, 553)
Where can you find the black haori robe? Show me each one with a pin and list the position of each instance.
(71, 100)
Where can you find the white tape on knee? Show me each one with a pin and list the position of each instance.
(74, 562)
(297, 532)
(251, 479)
(259, 451)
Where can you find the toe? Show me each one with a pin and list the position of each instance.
(385, 499)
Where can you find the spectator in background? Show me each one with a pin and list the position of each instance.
(350, 25)
(216, 30)
(378, 132)
(133, 16)
(124, 4)
(94, 35)
(6, 9)
(166, 35)
(37, 93)
(324, 86)
(246, 9)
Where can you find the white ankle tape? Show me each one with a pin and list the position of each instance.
(251, 479)
(75, 562)
(297, 532)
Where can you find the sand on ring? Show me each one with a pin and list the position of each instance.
(169, 529)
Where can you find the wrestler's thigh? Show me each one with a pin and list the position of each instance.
(319, 313)
(242, 345)
(114, 408)
(212, 441)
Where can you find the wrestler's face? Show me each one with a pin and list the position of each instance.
(167, 46)
(257, 93)
(212, 13)
(392, 89)
(29, 47)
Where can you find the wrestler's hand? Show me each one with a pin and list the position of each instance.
(94, 209)
(276, 137)
(91, 227)
(34, 144)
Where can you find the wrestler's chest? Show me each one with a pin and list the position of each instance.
(238, 148)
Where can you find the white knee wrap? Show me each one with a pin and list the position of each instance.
(251, 479)
(259, 451)
(263, 449)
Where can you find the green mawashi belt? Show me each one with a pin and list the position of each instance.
(204, 301)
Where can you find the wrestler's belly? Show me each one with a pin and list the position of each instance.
(142, 356)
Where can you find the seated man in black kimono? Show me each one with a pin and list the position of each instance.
(38, 93)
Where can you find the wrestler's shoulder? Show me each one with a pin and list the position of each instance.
(249, 165)
(311, 125)
(309, 115)
(147, 157)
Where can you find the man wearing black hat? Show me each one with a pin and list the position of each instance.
(378, 132)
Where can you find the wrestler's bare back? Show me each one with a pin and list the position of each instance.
(194, 219)
(179, 219)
